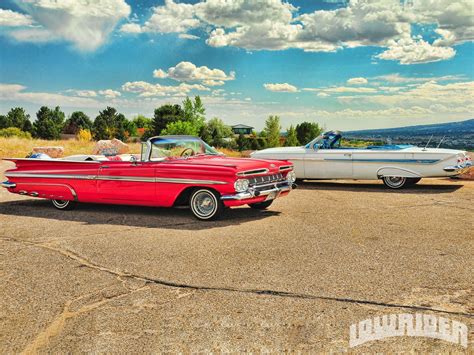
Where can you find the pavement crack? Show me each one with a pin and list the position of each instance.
(262, 292)
(57, 325)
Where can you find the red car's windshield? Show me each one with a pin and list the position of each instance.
(179, 147)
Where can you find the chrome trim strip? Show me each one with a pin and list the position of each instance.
(403, 161)
(253, 172)
(190, 181)
(8, 185)
(55, 160)
(118, 178)
(286, 167)
(52, 176)
(252, 193)
(73, 192)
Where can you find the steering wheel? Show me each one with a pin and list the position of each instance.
(188, 152)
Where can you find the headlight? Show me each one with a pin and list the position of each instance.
(241, 185)
(291, 177)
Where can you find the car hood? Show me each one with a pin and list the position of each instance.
(241, 164)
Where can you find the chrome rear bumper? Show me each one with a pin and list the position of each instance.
(251, 193)
(458, 169)
(8, 185)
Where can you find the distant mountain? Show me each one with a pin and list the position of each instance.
(439, 129)
(459, 135)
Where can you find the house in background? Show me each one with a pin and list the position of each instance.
(242, 129)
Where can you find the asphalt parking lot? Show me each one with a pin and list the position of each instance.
(127, 279)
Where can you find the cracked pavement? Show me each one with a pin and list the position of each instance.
(293, 278)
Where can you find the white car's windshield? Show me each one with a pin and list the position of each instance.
(328, 140)
(179, 147)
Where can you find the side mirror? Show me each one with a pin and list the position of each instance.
(134, 160)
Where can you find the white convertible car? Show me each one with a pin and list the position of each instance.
(396, 165)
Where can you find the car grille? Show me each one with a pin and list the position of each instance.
(260, 181)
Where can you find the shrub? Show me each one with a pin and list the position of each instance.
(14, 132)
(180, 127)
(84, 135)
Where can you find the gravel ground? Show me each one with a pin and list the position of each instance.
(293, 278)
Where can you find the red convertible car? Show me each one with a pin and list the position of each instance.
(172, 171)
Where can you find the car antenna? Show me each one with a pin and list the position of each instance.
(429, 140)
(441, 141)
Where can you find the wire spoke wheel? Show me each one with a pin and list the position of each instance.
(394, 182)
(205, 204)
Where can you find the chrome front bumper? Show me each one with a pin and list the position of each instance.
(8, 185)
(251, 193)
(458, 169)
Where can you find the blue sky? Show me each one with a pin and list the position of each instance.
(344, 64)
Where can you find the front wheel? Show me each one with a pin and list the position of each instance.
(206, 204)
(63, 204)
(261, 205)
(395, 182)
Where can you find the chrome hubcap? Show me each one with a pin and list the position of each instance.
(395, 181)
(60, 203)
(204, 204)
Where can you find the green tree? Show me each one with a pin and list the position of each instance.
(77, 121)
(17, 117)
(165, 115)
(215, 133)
(291, 137)
(4, 122)
(111, 124)
(180, 127)
(272, 131)
(143, 122)
(195, 112)
(49, 123)
(307, 131)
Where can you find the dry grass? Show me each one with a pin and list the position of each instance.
(19, 147)
(15, 147)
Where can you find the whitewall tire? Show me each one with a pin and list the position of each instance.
(395, 182)
(63, 204)
(206, 204)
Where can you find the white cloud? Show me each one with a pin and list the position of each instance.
(280, 87)
(409, 51)
(110, 94)
(357, 81)
(35, 35)
(85, 93)
(17, 93)
(131, 28)
(11, 18)
(277, 25)
(170, 18)
(342, 89)
(322, 94)
(188, 36)
(159, 73)
(187, 71)
(213, 82)
(86, 23)
(396, 78)
(145, 89)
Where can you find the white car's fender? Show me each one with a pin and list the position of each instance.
(396, 171)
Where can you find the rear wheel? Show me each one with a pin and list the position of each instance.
(206, 204)
(63, 204)
(261, 205)
(395, 182)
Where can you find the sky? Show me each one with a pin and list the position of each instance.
(344, 64)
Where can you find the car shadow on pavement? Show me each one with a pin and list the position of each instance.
(376, 187)
(131, 216)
